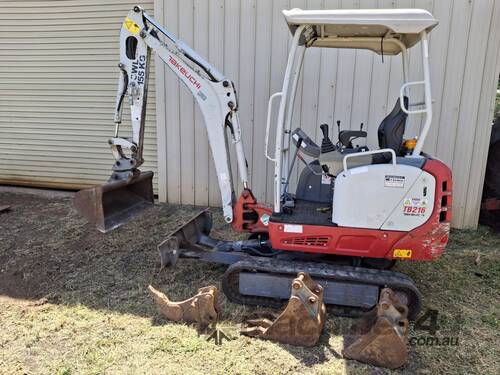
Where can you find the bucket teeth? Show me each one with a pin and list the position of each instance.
(380, 337)
(201, 309)
(300, 323)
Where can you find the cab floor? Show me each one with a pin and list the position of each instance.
(308, 213)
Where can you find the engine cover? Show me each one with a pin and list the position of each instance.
(383, 196)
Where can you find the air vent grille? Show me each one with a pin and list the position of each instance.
(316, 241)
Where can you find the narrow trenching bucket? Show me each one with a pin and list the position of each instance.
(114, 203)
(380, 337)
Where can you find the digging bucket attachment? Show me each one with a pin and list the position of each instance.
(187, 236)
(201, 309)
(302, 320)
(379, 338)
(114, 203)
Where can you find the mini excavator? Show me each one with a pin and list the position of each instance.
(355, 211)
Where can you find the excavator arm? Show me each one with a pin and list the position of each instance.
(214, 93)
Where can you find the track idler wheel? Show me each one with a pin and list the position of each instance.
(379, 338)
(302, 320)
(201, 309)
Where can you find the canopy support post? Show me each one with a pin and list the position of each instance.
(427, 95)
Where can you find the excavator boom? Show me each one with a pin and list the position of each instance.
(215, 95)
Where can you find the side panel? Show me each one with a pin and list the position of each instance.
(365, 197)
(416, 206)
(333, 240)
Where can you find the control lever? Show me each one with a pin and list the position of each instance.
(360, 129)
(326, 143)
(339, 133)
(324, 130)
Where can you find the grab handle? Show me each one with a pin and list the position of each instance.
(268, 123)
(402, 101)
(363, 153)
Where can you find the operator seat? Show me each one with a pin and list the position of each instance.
(390, 132)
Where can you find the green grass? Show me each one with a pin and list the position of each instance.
(74, 301)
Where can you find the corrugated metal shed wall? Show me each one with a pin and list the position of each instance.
(247, 40)
(58, 77)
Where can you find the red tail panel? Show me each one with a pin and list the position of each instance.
(428, 241)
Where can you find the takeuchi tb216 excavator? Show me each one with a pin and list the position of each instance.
(355, 211)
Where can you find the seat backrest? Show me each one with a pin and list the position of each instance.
(392, 128)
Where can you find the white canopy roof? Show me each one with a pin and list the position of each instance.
(360, 28)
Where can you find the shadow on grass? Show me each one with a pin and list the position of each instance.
(318, 354)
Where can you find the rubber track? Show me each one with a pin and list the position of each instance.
(382, 278)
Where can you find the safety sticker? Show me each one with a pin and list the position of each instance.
(131, 26)
(265, 219)
(414, 206)
(394, 181)
(292, 228)
(401, 253)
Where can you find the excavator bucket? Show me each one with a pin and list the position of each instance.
(201, 309)
(379, 338)
(114, 203)
(302, 320)
(193, 232)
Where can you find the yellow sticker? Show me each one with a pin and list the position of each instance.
(402, 253)
(131, 26)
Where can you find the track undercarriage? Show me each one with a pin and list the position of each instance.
(258, 275)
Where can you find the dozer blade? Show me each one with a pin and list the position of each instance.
(379, 338)
(187, 236)
(302, 320)
(114, 203)
(202, 308)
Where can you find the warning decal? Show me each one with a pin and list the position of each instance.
(326, 180)
(131, 26)
(394, 181)
(401, 253)
(265, 219)
(414, 206)
(292, 228)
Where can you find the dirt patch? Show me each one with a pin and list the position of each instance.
(73, 300)
(50, 251)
